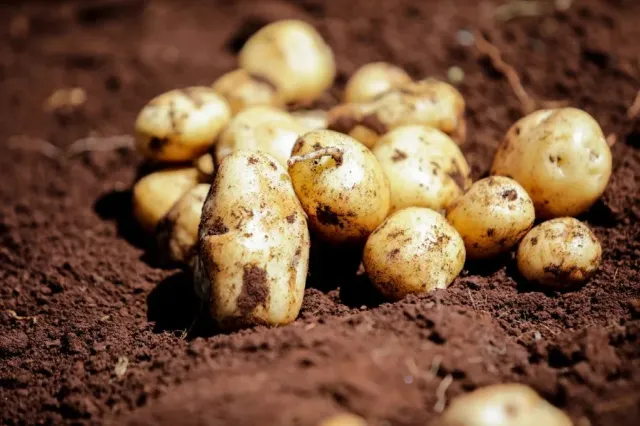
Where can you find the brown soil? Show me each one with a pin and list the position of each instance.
(92, 331)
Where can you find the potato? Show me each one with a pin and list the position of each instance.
(492, 216)
(559, 253)
(178, 230)
(371, 80)
(313, 119)
(424, 166)
(293, 56)
(343, 419)
(254, 244)
(560, 156)
(263, 129)
(502, 405)
(156, 193)
(414, 251)
(243, 90)
(181, 125)
(205, 166)
(340, 184)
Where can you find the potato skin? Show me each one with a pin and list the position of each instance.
(492, 216)
(560, 156)
(414, 250)
(373, 79)
(253, 245)
(559, 253)
(424, 166)
(343, 419)
(345, 201)
(242, 90)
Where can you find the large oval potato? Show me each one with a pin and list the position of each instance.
(343, 189)
(560, 156)
(243, 90)
(414, 251)
(254, 244)
(373, 79)
(424, 166)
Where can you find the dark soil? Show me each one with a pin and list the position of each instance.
(79, 294)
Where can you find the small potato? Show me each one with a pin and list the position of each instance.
(156, 193)
(340, 184)
(243, 90)
(263, 129)
(414, 251)
(492, 216)
(502, 405)
(178, 230)
(424, 166)
(205, 166)
(559, 253)
(314, 119)
(254, 244)
(293, 56)
(560, 156)
(343, 419)
(371, 80)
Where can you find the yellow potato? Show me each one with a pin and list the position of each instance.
(205, 166)
(243, 90)
(414, 251)
(254, 244)
(343, 419)
(314, 119)
(263, 129)
(560, 156)
(340, 184)
(181, 125)
(424, 166)
(293, 56)
(502, 405)
(492, 216)
(371, 80)
(559, 253)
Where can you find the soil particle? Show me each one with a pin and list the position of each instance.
(255, 289)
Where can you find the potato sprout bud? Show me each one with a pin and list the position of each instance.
(243, 90)
(263, 129)
(343, 419)
(314, 119)
(414, 251)
(373, 79)
(205, 166)
(178, 231)
(492, 216)
(293, 56)
(502, 405)
(560, 156)
(559, 253)
(424, 166)
(254, 244)
(340, 184)
(156, 193)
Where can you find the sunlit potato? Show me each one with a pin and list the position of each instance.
(314, 119)
(243, 90)
(373, 79)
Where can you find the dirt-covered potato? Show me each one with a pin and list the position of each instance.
(253, 244)
(243, 90)
(178, 230)
(260, 128)
(293, 56)
(424, 166)
(156, 193)
(560, 156)
(492, 216)
(559, 253)
(181, 125)
(373, 79)
(343, 419)
(502, 405)
(414, 251)
(340, 184)
(312, 119)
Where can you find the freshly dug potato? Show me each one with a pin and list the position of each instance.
(243, 90)
(371, 80)
(357, 121)
(414, 251)
(293, 56)
(340, 184)
(178, 230)
(560, 156)
(263, 129)
(205, 166)
(424, 166)
(343, 419)
(559, 253)
(492, 216)
(502, 405)
(181, 125)
(254, 244)
(156, 193)
(313, 119)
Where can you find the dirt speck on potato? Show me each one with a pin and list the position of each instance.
(254, 291)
